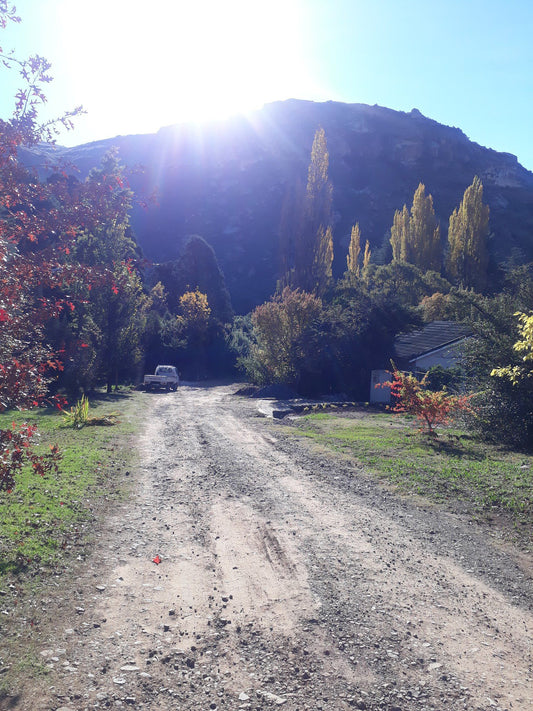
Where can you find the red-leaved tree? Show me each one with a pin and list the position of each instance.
(431, 408)
(39, 222)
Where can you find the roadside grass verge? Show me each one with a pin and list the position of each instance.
(47, 524)
(454, 467)
(44, 518)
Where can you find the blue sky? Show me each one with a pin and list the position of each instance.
(137, 66)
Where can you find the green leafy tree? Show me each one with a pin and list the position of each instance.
(524, 346)
(193, 321)
(196, 268)
(119, 312)
(279, 328)
(467, 239)
(405, 282)
(102, 338)
(504, 409)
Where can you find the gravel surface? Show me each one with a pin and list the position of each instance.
(286, 577)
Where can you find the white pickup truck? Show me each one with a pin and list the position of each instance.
(166, 376)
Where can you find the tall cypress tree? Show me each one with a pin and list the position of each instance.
(467, 239)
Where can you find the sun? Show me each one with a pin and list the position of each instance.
(172, 61)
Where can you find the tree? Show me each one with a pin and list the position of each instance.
(323, 263)
(193, 324)
(39, 222)
(313, 243)
(504, 409)
(290, 230)
(196, 267)
(367, 255)
(354, 250)
(430, 407)
(424, 232)
(524, 346)
(280, 326)
(399, 238)
(194, 314)
(415, 236)
(467, 239)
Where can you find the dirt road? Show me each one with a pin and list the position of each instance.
(286, 578)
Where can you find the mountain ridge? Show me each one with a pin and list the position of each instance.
(226, 180)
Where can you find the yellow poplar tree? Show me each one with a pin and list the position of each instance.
(354, 250)
(415, 234)
(399, 236)
(309, 247)
(367, 255)
(323, 262)
(424, 232)
(467, 239)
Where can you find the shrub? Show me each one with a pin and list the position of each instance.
(430, 407)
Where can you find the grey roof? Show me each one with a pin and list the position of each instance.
(433, 336)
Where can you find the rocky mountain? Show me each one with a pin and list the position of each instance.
(226, 181)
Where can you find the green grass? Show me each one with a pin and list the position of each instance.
(45, 518)
(454, 467)
(46, 524)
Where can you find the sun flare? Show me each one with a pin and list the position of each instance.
(196, 60)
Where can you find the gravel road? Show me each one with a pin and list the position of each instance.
(287, 577)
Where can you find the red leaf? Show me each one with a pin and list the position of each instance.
(157, 560)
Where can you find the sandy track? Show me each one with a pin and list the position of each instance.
(286, 579)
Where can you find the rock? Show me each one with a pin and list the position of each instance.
(129, 667)
(278, 700)
(119, 680)
(100, 588)
(243, 696)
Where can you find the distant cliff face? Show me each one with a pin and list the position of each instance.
(226, 181)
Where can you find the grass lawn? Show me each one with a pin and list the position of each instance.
(453, 467)
(44, 518)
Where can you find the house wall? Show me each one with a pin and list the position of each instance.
(446, 357)
(381, 395)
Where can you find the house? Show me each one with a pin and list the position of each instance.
(438, 343)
